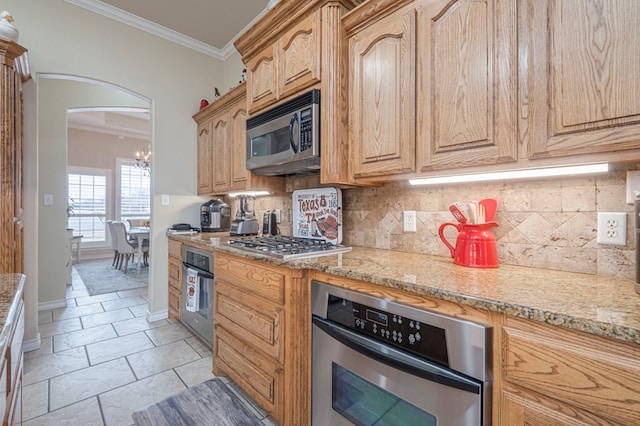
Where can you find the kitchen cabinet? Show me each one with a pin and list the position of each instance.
(432, 85)
(292, 48)
(559, 377)
(581, 78)
(261, 336)
(13, 72)
(222, 148)
(175, 279)
(12, 360)
(286, 67)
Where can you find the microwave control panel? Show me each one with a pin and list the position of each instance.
(306, 129)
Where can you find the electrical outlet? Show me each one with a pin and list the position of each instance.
(410, 221)
(612, 228)
(633, 185)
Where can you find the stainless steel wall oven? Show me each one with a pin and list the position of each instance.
(377, 362)
(197, 292)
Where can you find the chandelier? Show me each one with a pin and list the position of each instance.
(143, 161)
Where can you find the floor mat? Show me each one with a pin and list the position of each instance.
(100, 277)
(209, 403)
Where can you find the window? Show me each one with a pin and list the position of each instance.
(87, 192)
(135, 191)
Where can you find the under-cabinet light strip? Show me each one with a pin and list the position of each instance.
(516, 174)
(249, 193)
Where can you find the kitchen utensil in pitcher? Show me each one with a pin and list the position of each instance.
(457, 213)
(475, 244)
(490, 206)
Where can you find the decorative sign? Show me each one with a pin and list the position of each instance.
(316, 214)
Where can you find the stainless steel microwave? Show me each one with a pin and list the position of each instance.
(286, 139)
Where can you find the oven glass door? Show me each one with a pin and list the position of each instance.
(358, 381)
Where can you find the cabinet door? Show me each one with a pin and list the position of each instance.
(262, 80)
(382, 97)
(584, 63)
(237, 140)
(205, 158)
(467, 83)
(299, 56)
(220, 153)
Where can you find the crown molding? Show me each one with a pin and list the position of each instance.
(142, 24)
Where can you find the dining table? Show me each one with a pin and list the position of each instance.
(140, 233)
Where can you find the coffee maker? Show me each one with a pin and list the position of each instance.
(245, 222)
(215, 216)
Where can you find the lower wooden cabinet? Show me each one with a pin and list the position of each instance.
(175, 279)
(553, 376)
(262, 334)
(11, 369)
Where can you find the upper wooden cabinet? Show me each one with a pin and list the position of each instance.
(14, 69)
(286, 67)
(222, 148)
(582, 85)
(294, 47)
(432, 85)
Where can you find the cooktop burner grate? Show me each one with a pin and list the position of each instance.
(287, 248)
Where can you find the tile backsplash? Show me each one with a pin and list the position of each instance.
(548, 224)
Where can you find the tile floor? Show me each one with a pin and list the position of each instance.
(100, 360)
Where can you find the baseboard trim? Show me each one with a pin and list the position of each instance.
(55, 304)
(157, 316)
(32, 345)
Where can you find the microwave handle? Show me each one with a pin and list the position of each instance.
(294, 144)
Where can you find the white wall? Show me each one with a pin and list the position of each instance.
(66, 39)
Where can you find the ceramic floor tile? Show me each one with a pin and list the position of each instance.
(118, 347)
(156, 360)
(124, 303)
(200, 347)
(140, 311)
(135, 325)
(106, 317)
(76, 311)
(87, 336)
(168, 334)
(46, 348)
(80, 292)
(96, 299)
(48, 366)
(35, 400)
(140, 291)
(59, 327)
(84, 413)
(45, 317)
(196, 372)
(88, 382)
(119, 404)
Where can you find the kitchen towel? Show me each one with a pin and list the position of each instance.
(193, 293)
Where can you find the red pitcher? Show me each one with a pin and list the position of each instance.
(475, 244)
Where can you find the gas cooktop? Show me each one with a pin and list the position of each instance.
(287, 248)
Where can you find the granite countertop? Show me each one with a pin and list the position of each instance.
(11, 288)
(604, 306)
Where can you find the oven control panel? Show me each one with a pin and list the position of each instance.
(404, 332)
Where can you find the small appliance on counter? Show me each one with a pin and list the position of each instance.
(269, 223)
(245, 222)
(215, 216)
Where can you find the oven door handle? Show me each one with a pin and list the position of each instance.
(396, 359)
(201, 273)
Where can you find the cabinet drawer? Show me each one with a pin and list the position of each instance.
(175, 273)
(594, 374)
(175, 249)
(254, 373)
(175, 303)
(252, 319)
(256, 278)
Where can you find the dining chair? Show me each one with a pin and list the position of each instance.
(125, 248)
(114, 244)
